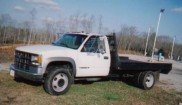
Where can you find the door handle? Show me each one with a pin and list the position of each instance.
(106, 57)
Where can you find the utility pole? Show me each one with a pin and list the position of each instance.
(147, 42)
(172, 47)
(161, 11)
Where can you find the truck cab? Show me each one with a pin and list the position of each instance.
(77, 54)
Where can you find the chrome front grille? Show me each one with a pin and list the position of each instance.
(22, 61)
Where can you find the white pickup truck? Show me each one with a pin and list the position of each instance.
(80, 55)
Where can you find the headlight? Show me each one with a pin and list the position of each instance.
(36, 59)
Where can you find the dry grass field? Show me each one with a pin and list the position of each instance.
(6, 53)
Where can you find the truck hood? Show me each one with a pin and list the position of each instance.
(40, 49)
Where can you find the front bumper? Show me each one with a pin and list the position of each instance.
(26, 75)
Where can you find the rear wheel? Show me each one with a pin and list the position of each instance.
(57, 81)
(147, 80)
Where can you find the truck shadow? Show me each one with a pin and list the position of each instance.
(33, 83)
(127, 81)
(83, 82)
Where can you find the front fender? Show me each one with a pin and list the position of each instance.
(65, 59)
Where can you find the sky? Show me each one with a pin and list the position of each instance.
(115, 13)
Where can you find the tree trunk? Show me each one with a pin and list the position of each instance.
(4, 35)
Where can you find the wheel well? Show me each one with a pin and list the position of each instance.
(58, 64)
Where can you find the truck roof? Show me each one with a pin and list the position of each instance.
(87, 34)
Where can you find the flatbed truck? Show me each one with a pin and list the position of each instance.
(81, 56)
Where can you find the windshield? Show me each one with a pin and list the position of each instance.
(72, 41)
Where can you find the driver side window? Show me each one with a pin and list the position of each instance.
(91, 45)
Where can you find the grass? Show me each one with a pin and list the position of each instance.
(97, 93)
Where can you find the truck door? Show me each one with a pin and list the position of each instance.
(94, 58)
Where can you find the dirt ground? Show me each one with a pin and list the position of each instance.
(174, 79)
(171, 81)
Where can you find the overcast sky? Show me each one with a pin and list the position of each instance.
(140, 13)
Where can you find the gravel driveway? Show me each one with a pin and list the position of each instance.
(174, 79)
(5, 66)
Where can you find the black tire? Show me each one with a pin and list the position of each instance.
(147, 80)
(157, 75)
(57, 81)
(17, 79)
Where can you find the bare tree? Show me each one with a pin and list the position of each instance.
(84, 22)
(5, 21)
(91, 23)
(87, 23)
(123, 37)
(61, 26)
(32, 14)
(1, 29)
(71, 23)
(100, 25)
(19, 27)
(26, 26)
(76, 21)
(13, 31)
(132, 33)
(50, 28)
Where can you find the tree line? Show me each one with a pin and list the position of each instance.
(128, 37)
(29, 32)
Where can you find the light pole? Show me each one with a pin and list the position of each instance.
(172, 47)
(147, 42)
(161, 11)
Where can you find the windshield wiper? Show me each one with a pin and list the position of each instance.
(63, 45)
(53, 43)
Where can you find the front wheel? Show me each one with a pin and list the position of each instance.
(147, 80)
(57, 81)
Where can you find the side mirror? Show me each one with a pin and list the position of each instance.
(101, 45)
(112, 43)
(102, 51)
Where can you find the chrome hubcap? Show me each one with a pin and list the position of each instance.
(60, 82)
(149, 80)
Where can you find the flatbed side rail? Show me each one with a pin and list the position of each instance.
(164, 68)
